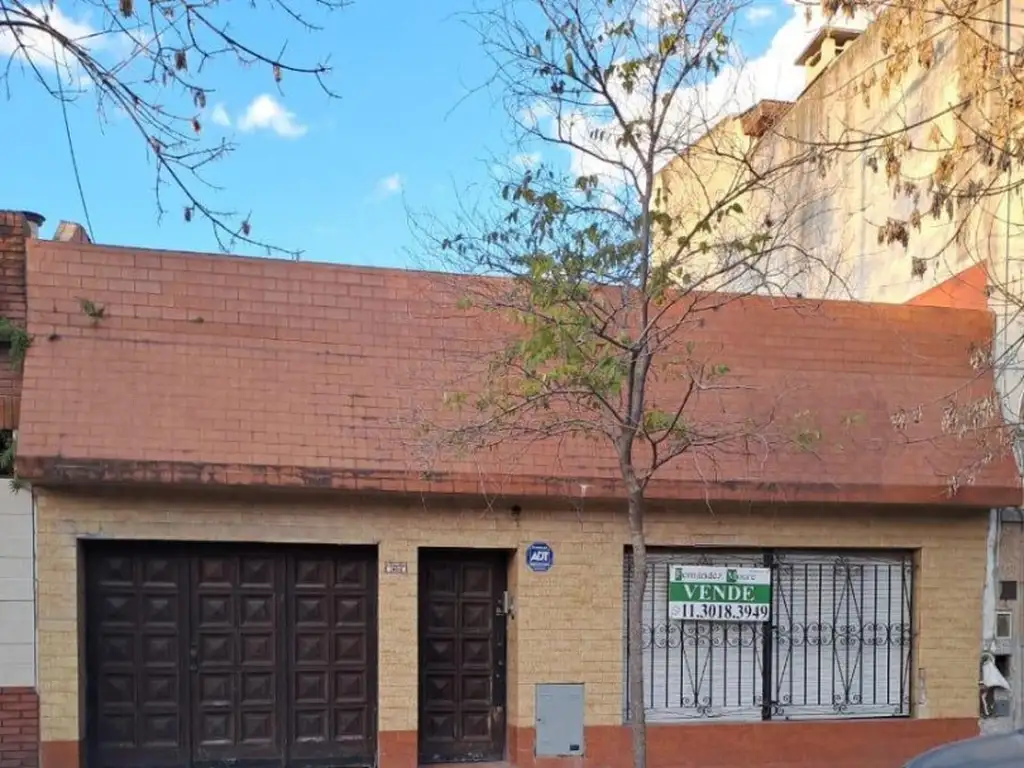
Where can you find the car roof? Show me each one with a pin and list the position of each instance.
(999, 751)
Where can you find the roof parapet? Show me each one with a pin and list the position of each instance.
(824, 48)
(71, 232)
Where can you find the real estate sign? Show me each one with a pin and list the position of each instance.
(705, 593)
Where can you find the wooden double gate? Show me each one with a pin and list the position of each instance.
(203, 655)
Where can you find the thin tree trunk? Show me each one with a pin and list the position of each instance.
(635, 653)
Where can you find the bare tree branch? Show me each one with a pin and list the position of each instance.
(151, 65)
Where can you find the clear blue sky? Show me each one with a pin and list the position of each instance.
(402, 133)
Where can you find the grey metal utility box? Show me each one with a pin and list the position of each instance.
(558, 718)
(1002, 707)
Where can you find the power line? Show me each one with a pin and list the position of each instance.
(71, 143)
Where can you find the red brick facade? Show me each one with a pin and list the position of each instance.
(13, 236)
(19, 728)
(882, 743)
(19, 707)
(828, 744)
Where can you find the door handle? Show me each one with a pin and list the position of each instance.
(193, 658)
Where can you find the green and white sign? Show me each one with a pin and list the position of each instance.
(704, 593)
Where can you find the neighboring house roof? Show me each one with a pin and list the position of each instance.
(965, 290)
(210, 369)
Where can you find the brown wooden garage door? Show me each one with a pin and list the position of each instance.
(210, 655)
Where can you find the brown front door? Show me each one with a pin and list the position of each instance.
(462, 656)
(211, 655)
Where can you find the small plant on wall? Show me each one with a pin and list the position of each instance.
(92, 310)
(17, 341)
(8, 456)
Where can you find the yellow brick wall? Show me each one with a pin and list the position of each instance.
(568, 622)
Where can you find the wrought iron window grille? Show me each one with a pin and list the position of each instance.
(837, 644)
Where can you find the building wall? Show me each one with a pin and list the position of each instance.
(19, 727)
(1011, 569)
(18, 707)
(843, 203)
(1008, 651)
(14, 233)
(709, 177)
(831, 210)
(17, 589)
(568, 622)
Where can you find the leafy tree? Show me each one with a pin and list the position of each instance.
(154, 65)
(594, 288)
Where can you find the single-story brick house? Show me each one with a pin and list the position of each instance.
(241, 560)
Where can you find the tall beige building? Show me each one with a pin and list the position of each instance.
(833, 225)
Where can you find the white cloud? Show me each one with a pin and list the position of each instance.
(121, 47)
(264, 113)
(516, 165)
(37, 45)
(737, 87)
(525, 160)
(759, 13)
(534, 115)
(652, 12)
(774, 74)
(220, 116)
(388, 186)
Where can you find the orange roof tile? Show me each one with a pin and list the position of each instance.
(965, 290)
(214, 369)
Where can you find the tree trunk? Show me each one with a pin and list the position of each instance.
(634, 642)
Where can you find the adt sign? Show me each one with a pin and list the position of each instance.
(539, 557)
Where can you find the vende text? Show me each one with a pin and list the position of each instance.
(705, 593)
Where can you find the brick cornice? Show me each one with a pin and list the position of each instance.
(277, 374)
(58, 471)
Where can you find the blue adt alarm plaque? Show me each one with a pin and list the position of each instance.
(539, 557)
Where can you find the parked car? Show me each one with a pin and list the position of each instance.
(1004, 750)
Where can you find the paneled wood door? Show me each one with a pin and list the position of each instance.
(137, 657)
(207, 655)
(236, 672)
(462, 656)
